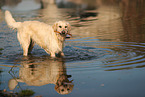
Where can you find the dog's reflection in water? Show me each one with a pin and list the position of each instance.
(42, 73)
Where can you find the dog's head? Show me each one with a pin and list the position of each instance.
(62, 27)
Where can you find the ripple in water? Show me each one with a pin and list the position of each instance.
(89, 54)
(109, 56)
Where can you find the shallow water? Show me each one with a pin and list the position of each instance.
(104, 58)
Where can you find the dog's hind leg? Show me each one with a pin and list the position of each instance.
(25, 47)
(32, 43)
(25, 42)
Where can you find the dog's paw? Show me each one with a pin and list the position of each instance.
(52, 55)
(62, 54)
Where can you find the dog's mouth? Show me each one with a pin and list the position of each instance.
(63, 32)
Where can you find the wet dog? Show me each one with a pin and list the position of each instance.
(50, 38)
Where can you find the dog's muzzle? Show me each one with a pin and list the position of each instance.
(63, 32)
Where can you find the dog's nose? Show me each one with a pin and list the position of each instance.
(63, 32)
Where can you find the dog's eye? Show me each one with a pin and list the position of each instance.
(62, 90)
(65, 26)
(60, 26)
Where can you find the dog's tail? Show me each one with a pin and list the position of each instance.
(10, 20)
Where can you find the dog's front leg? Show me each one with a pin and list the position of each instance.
(62, 54)
(52, 55)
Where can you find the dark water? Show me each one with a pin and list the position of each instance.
(104, 58)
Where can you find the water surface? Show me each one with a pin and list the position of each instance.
(104, 58)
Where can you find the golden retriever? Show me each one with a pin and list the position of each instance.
(50, 38)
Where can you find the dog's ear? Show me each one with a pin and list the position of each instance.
(55, 26)
(69, 27)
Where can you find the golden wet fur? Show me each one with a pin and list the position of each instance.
(50, 38)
